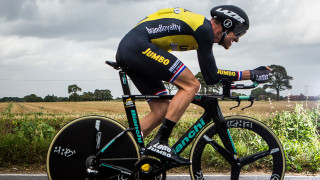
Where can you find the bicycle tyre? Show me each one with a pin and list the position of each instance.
(257, 138)
(76, 141)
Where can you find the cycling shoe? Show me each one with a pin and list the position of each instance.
(165, 152)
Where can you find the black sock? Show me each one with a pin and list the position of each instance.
(165, 131)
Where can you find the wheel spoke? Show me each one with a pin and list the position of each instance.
(253, 157)
(224, 153)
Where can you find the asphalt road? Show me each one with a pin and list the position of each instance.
(175, 177)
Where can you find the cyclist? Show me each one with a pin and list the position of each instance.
(145, 51)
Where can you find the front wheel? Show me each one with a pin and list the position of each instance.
(75, 144)
(257, 147)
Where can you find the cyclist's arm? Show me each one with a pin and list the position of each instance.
(209, 70)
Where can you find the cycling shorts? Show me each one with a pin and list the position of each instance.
(147, 64)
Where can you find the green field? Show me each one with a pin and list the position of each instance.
(26, 129)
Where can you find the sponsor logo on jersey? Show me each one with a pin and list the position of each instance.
(176, 66)
(231, 14)
(149, 53)
(164, 28)
(226, 73)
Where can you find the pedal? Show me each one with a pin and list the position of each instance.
(148, 168)
(145, 167)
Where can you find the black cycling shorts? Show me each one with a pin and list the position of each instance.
(147, 64)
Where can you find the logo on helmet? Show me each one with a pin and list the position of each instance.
(231, 14)
(227, 23)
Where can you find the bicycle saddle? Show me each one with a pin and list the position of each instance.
(113, 64)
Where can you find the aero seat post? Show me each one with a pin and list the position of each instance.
(124, 83)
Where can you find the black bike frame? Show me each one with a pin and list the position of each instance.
(211, 114)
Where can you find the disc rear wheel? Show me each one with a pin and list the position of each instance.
(72, 148)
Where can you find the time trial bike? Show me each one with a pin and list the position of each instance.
(98, 147)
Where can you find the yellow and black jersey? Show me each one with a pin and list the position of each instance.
(177, 29)
(146, 47)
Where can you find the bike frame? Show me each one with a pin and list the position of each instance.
(133, 163)
(211, 114)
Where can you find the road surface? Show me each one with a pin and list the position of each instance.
(169, 177)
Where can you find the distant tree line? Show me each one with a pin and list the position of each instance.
(278, 81)
(97, 95)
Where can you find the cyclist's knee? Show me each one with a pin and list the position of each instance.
(195, 86)
(192, 86)
(188, 82)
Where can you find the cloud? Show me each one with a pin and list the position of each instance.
(62, 40)
(75, 20)
(18, 9)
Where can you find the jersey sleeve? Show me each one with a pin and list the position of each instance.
(207, 63)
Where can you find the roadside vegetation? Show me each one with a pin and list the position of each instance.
(26, 129)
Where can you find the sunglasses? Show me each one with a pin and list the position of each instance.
(240, 29)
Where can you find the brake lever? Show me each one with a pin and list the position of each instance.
(237, 105)
(248, 106)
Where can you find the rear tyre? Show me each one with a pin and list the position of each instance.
(71, 147)
(253, 140)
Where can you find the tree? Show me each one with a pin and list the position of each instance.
(237, 94)
(11, 99)
(51, 98)
(72, 90)
(32, 98)
(87, 96)
(101, 95)
(258, 93)
(170, 87)
(207, 89)
(62, 99)
(279, 79)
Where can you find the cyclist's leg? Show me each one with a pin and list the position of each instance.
(158, 108)
(155, 117)
(151, 64)
(188, 86)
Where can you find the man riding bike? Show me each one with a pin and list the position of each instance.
(145, 51)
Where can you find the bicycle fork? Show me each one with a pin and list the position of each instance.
(229, 151)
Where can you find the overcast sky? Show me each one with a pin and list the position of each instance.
(46, 45)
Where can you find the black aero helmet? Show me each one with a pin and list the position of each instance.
(232, 18)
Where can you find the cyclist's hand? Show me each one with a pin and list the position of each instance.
(260, 74)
